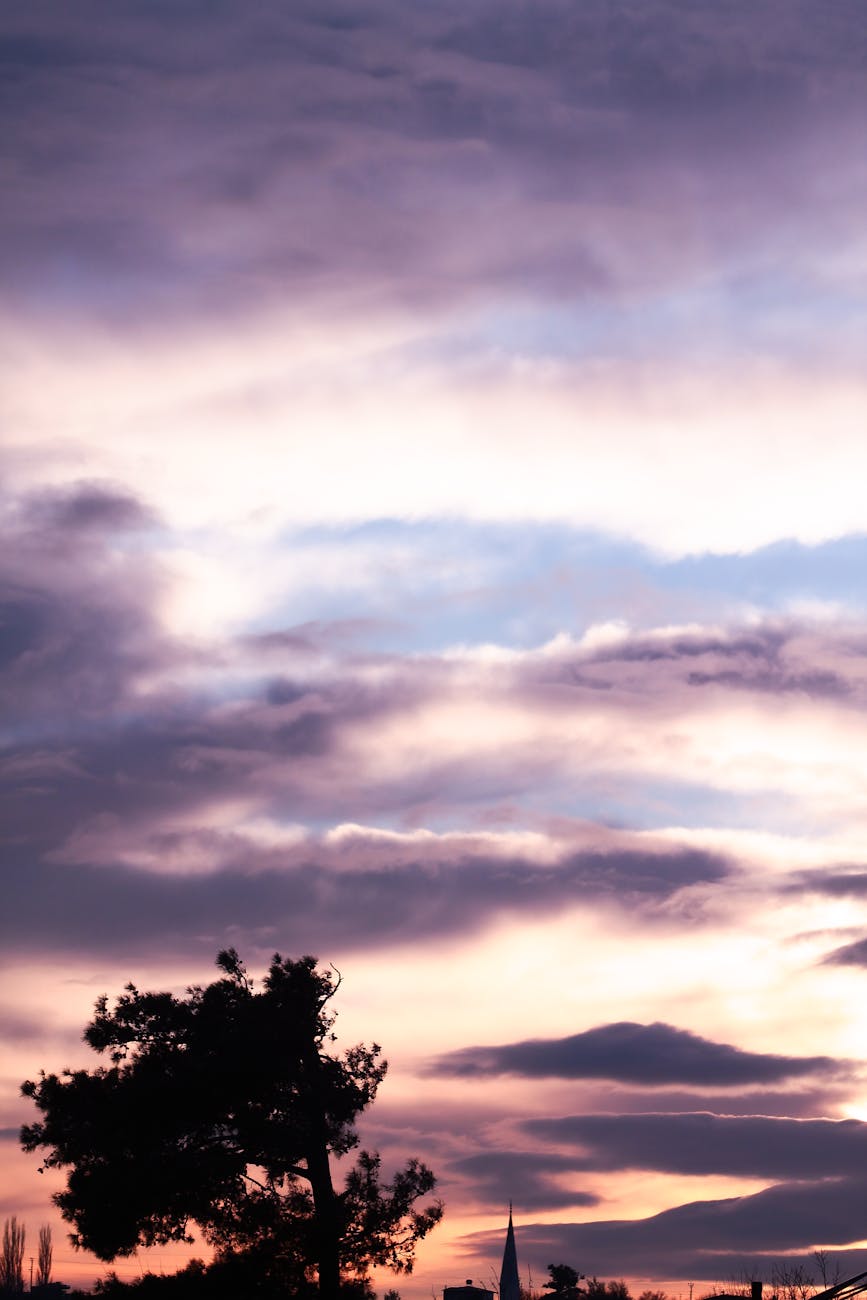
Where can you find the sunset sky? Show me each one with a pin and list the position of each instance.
(434, 537)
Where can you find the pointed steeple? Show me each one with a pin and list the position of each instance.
(510, 1287)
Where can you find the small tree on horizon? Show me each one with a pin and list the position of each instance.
(563, 1281)
(613, 1290)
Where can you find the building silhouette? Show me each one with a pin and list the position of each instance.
(510, 1287)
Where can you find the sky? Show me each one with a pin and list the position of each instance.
(433, 538)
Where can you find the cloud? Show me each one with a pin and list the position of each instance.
(712, 1239)
(15, 1029)
(631, 1053)
(847, 882)
(379, 135)
(102, 508)
(835, 882)
(313, 897)
(820, 684)
(130, 756)
(536, 1174)
(77, 626)
(778, 658)
(747, 1146)
(851, 954)
(813, 1097)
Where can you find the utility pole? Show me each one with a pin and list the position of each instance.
(31, 1272)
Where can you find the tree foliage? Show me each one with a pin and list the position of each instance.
(224, 1108)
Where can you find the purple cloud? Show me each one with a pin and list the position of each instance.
(632, 1053)
(377, 132)
(713, 1239)
(91, 507)
(834, 882)
(490, 1172)
(748, 1146)
(768, 661)
(76, 624)
(305, 903)
(850, 954)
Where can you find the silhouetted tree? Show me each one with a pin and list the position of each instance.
(563, 1281)
(224, 1108)
(790, 1280)
(829, 1270)
(12, 1257)
(597, 1290)
(617, 1290)
(44, 1257)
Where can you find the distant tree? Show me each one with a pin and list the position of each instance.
(12, 1257)
(44, 1257)
(791, 1281)
(617, 1291)
(829, 1270)
(653, 1295)
(739, 1286)
(599, 1290)
(563, 1281)
(224, 1108)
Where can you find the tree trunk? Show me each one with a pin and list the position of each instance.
(327, 1226)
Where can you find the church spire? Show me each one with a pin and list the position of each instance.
(510, 1287)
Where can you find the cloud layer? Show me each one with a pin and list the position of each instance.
(417, 152)
(716, 1240)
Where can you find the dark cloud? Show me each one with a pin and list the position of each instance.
(781, 658)
(748, 1146)
(632, 1053)
(93, 507)
(303, 898)
(821, 685)
(492, 1173)
(318, 146)
(707, 1239)
(835, 882)
(79, 634)
(95, 774)
(77, 629)
(764, 645)
(851, 954)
